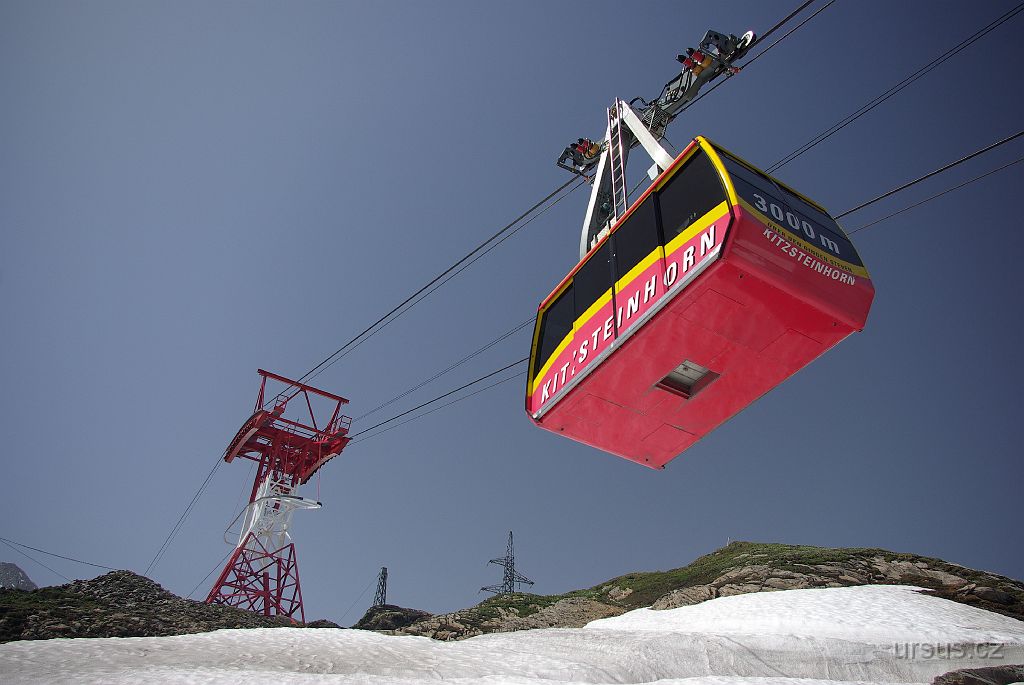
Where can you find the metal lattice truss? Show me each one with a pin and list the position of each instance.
(262, 574)
(380, 598)
(264, 581)
(511, 578)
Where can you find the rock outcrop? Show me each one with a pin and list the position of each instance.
(118, 604)
(13, 578)
(942, 579)
(390, 617)
(994, 675)
(500, 615)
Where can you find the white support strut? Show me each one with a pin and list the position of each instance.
(597, 223)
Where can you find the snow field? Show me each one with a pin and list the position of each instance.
(802, 637)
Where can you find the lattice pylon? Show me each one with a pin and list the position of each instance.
(262, 574)
(260, 580)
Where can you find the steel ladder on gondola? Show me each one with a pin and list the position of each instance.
(616, 163)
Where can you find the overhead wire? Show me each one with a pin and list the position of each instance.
(207, 576)
(785, 20)
(33, 559)
(907, 81)
(439, 397)
(450, 273)
(352, 606)
(787, 34)
(936, 196)
(513, 377)
(941, 169)
(181, 519)
(504, 336)
(54, 554)
(385, 318)
(777, 26)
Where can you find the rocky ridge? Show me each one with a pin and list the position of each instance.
(738, 568)
(123, 604)
(117, 604)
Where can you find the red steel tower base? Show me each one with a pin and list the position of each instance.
(262, 574)
(262, 581)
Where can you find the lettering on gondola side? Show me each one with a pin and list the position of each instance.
(809, 260)
(800, 229)
(685, 257)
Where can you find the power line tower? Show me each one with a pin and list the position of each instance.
(262, 574)
(381, 598)
(511, 577)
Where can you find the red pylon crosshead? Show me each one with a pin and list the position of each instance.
(262, 574)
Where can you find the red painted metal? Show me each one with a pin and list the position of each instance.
(264, 581)
(261, 576)
(754, 316)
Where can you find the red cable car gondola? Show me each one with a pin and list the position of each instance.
(716, 285)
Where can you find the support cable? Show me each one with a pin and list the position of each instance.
(452, 272)
(931, 173)
(788, 33)
(513, 377)
(352, 606)
(769, 32)
(54, 554)
(450, 269)
(879, 99)
(181, 519)
(782, 22)
(462, 361)
(33, 559)
(441, 397)
(937, 195)
(220, 564)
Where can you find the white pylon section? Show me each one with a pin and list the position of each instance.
(607, 202)
(269, 516)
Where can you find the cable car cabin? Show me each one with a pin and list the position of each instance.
(717, 284)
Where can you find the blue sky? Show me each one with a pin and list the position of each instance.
(191, 191)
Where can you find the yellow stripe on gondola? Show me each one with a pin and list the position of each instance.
(634, 273)
(723, 173)
(603, 300)
(551, 360)
(696, 227)
(691, 231)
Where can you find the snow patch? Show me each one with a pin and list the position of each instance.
(800, 637)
